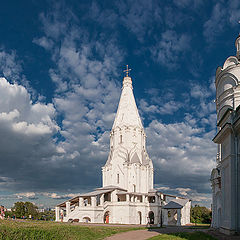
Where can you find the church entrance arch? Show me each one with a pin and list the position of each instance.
(86, 219)
(139, 217)
(106, 217)
(151, 217)
(172, 217)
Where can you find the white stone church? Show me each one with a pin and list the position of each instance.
(225, 178)
(127, 195)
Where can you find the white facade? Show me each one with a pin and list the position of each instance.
(128, 165)
(225, 177)
(127, 195)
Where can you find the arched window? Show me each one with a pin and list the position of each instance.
(121, 140)
(151, 217)
(106, 217)
(118, 179)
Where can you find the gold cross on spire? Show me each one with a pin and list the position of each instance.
(127, 71)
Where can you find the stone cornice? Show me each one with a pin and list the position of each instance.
(222, 133)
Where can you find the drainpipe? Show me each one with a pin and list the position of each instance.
(236, 173)
(236, 185)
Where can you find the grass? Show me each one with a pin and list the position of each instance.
(184, 236)
(41, 230)
(200, 226)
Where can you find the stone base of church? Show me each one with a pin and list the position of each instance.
(227, 231)
(117, 206)
(115, 213)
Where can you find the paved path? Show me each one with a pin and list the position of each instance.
(133, 235)
(148, 233)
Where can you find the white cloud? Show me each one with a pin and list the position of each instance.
(86, 97)
(44, 42)
(163, 188)
(85, 100)
(223, 16)
(27, 129)
(138, 17)
(183, 191)
(185, 148)
(169, 50)
(216, 23)
(29, 195)
(58, 196)
(9, 65)
(169, 107)
(198, 91)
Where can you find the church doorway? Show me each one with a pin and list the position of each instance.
(172, 217)
(86, 219)
(106, 217)
(140, 217)
(151, 217)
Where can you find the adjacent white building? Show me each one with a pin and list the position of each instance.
(225, 177)
(127, 195)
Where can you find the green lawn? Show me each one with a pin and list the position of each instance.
(183, 236)
(39, 230)
(42, 230)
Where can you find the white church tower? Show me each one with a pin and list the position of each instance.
(127, 195)
(128, 165)
(225, 178)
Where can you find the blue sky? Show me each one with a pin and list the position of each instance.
(62, 63)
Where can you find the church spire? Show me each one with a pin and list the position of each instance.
(127, 113)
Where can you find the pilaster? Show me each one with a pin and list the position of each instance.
(68, 208)
(57, 214)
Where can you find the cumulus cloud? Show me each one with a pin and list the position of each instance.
(223, 15)
(85, 85)
(169, 107)
(58, 196)
(27, 129)
(216, 23)
(9, 65)
(185, 148)
(29, 195)
(206, 109)
(138, 18)
(44, 42)
(67, 155)
(183, 191)
(170, 48)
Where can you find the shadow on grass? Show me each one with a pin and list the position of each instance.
(184, 235)
(199, 227)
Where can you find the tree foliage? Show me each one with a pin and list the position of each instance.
(47, 215)
(200, 214)
(25, 209)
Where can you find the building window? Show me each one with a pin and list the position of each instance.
(134, 188)
(121, 140)
(118, 178)
(151, 199)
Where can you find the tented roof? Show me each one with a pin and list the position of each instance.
(176, 204)
(127, 113)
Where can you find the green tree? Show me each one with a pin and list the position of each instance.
(31, 209)
(21, 209)
(200, 214)
(47, 215)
